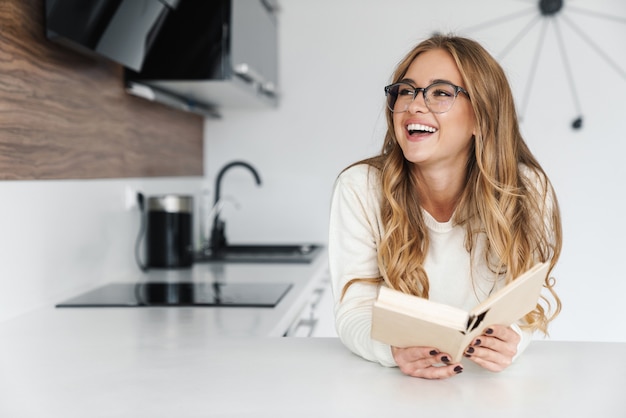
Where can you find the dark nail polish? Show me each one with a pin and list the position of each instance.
(489, 331)
(467, 355)
(433, 352)
(470, 350)
(445, 359)
(458, 369)
(477, 342)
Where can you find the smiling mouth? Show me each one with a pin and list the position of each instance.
(418, 128)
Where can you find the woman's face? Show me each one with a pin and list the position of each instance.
(440, 140)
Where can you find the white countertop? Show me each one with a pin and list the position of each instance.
(124, 363)
(219, 362)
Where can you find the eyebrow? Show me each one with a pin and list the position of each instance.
(437, 80)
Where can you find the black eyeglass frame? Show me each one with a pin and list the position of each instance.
(423, 90)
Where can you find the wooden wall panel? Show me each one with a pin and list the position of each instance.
(65, 115)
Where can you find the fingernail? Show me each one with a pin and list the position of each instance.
(477, 342)
(433, 352)
(445, 359)
(467, 355)
(458, 369)
(489, 331)
(470, 350)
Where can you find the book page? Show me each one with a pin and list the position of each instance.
(400, 330)
(514, 300)
(428, 310)
(403, 320)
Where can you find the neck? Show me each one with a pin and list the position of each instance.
(439, 193)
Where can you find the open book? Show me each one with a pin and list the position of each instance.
(404, 320)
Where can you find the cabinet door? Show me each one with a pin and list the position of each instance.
(317, 317)
(325, 326)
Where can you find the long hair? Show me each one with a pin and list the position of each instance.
(500, 200)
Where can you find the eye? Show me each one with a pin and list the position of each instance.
(442, 92)
(405, 91)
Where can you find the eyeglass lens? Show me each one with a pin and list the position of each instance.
(439, 97)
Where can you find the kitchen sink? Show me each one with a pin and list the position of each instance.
(262, 253)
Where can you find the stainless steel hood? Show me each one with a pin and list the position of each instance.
(213, 54)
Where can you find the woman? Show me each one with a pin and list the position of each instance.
(454, 207)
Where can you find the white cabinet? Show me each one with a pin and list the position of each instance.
(316, 318)
(325, 315)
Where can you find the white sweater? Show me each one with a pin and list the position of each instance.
(355, 233)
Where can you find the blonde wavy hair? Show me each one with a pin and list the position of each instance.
(499, 200)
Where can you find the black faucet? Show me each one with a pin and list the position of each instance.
(218, 237)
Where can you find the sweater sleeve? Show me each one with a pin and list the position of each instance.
(354, 232)
(526, 337)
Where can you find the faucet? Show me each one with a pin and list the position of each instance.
(218, 238)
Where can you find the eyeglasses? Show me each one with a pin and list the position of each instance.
(439, 97)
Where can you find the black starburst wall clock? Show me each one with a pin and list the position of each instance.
(550, 17)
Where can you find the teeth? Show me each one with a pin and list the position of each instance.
(420, 127)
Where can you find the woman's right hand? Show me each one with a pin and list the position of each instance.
(425, 362)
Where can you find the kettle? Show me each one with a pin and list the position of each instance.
(167, 225)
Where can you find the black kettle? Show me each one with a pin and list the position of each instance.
(167, 225)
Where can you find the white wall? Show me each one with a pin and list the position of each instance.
(60, 237)
(327, 45)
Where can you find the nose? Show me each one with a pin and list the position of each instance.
(418, 104)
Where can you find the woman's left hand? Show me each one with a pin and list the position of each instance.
(495, 348)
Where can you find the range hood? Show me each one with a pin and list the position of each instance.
(121, 30)
(211, 55)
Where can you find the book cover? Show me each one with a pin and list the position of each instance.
(404, 320)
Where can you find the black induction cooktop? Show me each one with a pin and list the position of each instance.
(257, 295)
